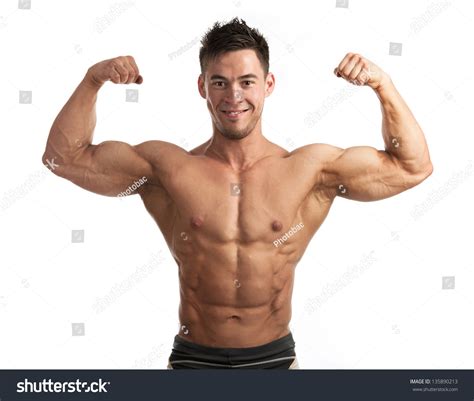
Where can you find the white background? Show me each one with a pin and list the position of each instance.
(369, 290)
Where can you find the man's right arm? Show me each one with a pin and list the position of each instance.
(110, 167)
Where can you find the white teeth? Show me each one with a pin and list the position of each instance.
(234, 113)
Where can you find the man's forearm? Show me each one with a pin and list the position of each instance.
(73, 128)
(403, 137)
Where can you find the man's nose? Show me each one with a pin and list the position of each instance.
(234, 95)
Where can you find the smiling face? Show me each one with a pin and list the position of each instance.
(235, 89)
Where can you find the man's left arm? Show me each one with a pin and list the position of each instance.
(363, 172)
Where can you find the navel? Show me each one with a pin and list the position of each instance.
(276, 225)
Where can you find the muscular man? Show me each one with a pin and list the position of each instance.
(238, 211)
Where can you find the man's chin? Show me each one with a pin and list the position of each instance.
(233, 135)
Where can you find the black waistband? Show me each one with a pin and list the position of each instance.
(279, 345)
(279, 352)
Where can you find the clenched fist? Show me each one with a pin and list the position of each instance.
(360, 71)
(119, 70)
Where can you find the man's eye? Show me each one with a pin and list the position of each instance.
(248, 82)
(218, 83)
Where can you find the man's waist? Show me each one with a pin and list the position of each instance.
(279, 353)
(278, 345)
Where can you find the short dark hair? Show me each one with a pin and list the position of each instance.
(234, 35)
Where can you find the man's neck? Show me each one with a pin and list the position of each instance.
(238, 154)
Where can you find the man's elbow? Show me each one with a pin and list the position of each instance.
(422, 174)
(429, 169)
(50, 162)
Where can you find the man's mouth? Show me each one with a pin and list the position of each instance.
(234, 113)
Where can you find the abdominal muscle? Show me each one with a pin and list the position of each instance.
(236, 279)
(234, 296)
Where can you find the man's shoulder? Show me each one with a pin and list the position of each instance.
(154, 150)
(315, 152)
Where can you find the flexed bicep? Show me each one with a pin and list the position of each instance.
(111, 168)
(364, 173)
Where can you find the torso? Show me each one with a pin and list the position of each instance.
(222, 227)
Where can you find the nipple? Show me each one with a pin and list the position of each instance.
(196, 222)
(276, 225)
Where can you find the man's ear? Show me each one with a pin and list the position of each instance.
(269, 84)
(201, 86)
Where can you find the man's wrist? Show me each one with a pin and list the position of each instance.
(384, 84)
(90, 82)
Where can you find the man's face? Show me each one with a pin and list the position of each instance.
(235, 89)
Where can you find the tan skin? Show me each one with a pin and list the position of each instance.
(235, 284)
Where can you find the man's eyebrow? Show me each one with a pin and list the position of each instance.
(216, 76)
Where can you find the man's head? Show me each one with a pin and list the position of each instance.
(234, 77)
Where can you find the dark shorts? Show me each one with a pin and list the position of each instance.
(278, 354)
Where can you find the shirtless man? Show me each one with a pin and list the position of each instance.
(238, 211)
